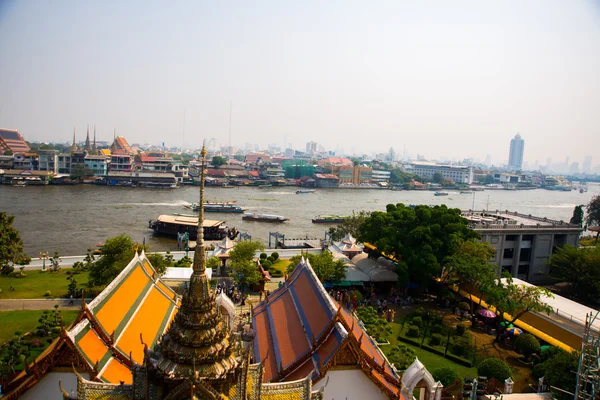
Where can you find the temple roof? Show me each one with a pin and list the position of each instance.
(300, 328)
(136, 303)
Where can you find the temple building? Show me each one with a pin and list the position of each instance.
(139, 340)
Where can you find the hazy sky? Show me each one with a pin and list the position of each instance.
(443, 78)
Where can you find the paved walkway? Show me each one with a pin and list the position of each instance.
(39, 304)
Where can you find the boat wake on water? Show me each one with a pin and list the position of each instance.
(176, 204)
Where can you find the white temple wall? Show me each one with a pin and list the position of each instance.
(350, 384)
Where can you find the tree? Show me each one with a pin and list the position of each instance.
(351, 225)
(494, 368)
(527, 345)
(116, 253)
(159, 262)
(79, 172)
(217, 161)
(447, 376)
(14, 353)
(558, 368)
(470, 264)
(437, 178)
(419, 238)
(516, 300)
(579, 268)
(242, 262)
(593, 213)
(324, 265)
(577, 218)
(11, 245)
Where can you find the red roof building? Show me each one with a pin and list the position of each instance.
(13, 141)
(301, 330)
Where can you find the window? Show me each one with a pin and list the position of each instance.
(525, 254)
(509, 253)
(511, 238)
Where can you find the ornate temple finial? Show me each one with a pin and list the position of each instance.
(199, 265)
(74, 146)
(65, 395)
(94, 148)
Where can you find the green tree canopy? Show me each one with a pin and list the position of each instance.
(494, 368)
(593, 213)
(242, 261)
(579, 268)
(116, 253)
(217, 161)
(516, 300)
(437, 178)
(420, 238)
(159, 262)
(11, 245)
(351, 225)
(326, 268)
(558, 368)
(577, 217)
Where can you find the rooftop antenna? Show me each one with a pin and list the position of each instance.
(230, 109)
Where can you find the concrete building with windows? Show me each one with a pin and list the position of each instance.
(64, 163)
(98, 164)
(515, 155)
(523, 243)
(456, 173)
(48, 160)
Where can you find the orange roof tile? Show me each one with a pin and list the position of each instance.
(115, 372)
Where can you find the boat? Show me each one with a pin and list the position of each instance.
(440, 194)
(328, 219)
(264, 218)
(265, 186)
(583, 188)
(302, 191)
(217, 207)
(157, 185)
(466, 192)
(18, 182)
(171, 225)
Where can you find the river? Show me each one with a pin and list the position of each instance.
(71, 219)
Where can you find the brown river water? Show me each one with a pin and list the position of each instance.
(71, 219)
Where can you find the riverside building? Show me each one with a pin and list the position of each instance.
(456, 173)
(523, 243)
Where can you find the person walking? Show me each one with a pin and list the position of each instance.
(71, 300)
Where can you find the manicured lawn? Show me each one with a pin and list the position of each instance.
(281, 265)
(36, 283)
(26, 321)
(430, 360)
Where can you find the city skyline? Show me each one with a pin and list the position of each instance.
(445, 80)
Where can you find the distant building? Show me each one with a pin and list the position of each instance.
(326, 181)
(13, 141)
(48, 160)
(64, 163)
(25, 161)
(380, 175)
(98, 164)
(120, 146)
(157, 163)
(515, 155)
(311, 147)
(523, 243)
(587, 164)
(121, 162)
(456, 173)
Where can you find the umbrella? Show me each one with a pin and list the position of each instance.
(506, 324)
(486, 313)
(545, 347)
(514, 331)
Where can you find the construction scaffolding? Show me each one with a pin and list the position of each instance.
(588, 371)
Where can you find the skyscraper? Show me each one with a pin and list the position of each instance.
(515, 155)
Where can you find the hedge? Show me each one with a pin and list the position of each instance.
(494, 368)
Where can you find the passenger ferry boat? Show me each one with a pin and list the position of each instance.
(441, 194)
(216, 207)
(171, 225)
(302, 191)
(264, 218)
(328, 219)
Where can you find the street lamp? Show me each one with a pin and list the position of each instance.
(43, 257)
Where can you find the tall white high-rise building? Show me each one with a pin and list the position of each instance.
(515, 155)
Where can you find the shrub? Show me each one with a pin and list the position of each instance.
(463, 305)
(435, 340)
(263, 256)
(494, 368)
(401, 356)
(461, 346)
(438, 319)
(419, 312)
(461, 329)
(527, 345)
(47, 294)
(275, 255)
(276, 274)
(417, 321)
(271, 259)
(436, 329)
(413, 331)
(447, 376)
(266, 264)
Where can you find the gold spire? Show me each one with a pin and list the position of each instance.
(198, 337)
